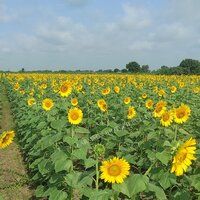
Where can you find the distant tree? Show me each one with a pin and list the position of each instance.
(116, 70)
(22, 70)
(133, 67)
(190, 66)
(145, 68)
(124, 70)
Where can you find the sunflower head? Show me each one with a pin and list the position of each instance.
(6, 138)
(166, 118)
(131, 112)
(184, 156)
(65, 89)
(75, 116)
(115, 170)
(159, 109)
(47, 104)
(127, 100)
(149, 104)
(116, 89)
(31, 101)
(181, 114)
(102, 105)
(74, 101)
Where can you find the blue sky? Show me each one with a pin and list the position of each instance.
(97, 34)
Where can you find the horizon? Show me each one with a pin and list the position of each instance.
(94, 35)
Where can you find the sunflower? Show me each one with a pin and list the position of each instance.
(184, 156)
(47, 104)
(149, 104)
(6, 138)
(181, 114)
(75, 116)
(102, 105)
(159, 109)
(31, 101)
(166, 118)
(115, 170)
(161, 93)
(65, 89)
(131, 112)
(144, 95)
(74, 101)
(173, 89)
(106, 91)
(116, 89)
(127, 100)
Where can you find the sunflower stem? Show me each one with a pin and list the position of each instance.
(175, 130)
(149, 169)
(97, 174)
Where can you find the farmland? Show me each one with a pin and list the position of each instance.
(108, 136)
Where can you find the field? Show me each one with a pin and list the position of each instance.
(107, 136)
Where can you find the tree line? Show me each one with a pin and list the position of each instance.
(187, 66)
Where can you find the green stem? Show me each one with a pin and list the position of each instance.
(175, 135)
(149, 169)
(97, 175)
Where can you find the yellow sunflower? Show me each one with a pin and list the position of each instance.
(149, 104)
(31, 101)
(6, 138)
(115, 170)
(131, 112)
(144, 95)
(106, 91)
(47, 104)
(181, 114)
(74, 101)
(65, 89)
(116, 89)
(102, 105)
(166, 118)
(75, 116)
(159, 109)
(173, 89)
(184, 156)
(127, 100)
(161, 93)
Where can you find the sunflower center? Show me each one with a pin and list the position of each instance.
(74, 116)
(181, 114)
(48, 104)
(114, 170)
(64, 88)
(165, 117)
(158, 109)
(5, 139)
(181, 157)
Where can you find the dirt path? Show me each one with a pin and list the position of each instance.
(13, 176)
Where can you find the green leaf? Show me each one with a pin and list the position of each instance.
(70, 140)
(121, 133)
(61, 161)
(164, 157)
(167, 179)
(133, 185)
(43, 167)
(58, 124)
(39, 192)
(195, 181)
(89, 162)
(80, 153)
(159, 192)
(57, 194)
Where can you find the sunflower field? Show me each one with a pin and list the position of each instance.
(108, 136)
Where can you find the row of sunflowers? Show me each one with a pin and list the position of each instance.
(93, 136)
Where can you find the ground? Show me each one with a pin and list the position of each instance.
(14, 182)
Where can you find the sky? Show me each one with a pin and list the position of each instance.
(97, 34)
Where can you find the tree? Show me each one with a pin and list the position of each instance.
(116, 70)
(124, 71)
(145, 68)
(190, 66)
(133, 67)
